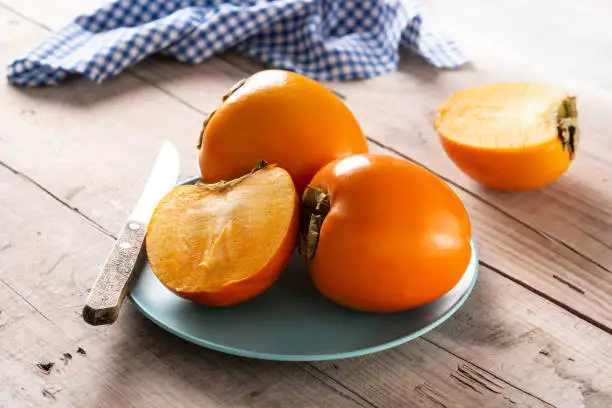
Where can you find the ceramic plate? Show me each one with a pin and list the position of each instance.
(291, 320)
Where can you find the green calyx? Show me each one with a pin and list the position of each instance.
(315, 206)
(567, 125)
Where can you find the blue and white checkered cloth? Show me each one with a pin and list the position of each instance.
(329, 40)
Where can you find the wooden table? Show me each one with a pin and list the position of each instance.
(536, 331)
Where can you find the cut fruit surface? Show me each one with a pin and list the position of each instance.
(509, 115)
(510, 136)
(224, 243)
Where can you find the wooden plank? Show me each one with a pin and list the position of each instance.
(55, 265)
(138, 366)
(135, 361)
(58, 235)
(47, 263)
(121, 120)
(580, 373)
(539, 349)
(395, 380)
(584, 293)
(49, 15)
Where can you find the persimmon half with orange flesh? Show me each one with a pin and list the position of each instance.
(224, 243)
(382, 234)
(510, 136)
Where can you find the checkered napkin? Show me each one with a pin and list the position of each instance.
(324, 39)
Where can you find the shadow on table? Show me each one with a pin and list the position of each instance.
(568, 205)
(80, 92)
(183, 373)
(479, 323)
(417, 67)
(145, 352)
(191, 83)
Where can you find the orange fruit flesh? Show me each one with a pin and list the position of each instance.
(506, 136)
(502, 116)
(209, 240)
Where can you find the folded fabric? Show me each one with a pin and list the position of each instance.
(324, 39)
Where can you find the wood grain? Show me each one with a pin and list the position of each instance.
(519, 343)
(505, 344)
(58, 291)
(45, 270)
(454, 383)
(509, 330)
(134, 365)
(158, 363)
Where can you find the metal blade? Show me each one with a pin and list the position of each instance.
(162, 179)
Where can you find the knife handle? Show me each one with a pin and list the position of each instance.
(113, 282)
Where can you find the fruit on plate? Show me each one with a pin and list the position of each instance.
(281, 117)
(382, 234)
(224, 243)
(510, 136)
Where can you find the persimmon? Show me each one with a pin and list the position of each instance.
(510, 136)
(382, 234)
(224, 243)
(281, 117)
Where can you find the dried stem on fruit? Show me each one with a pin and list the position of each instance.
(229, 93)
(208, 118)
(315, 206)
(233, 89)
(222, 185)
(567, 125)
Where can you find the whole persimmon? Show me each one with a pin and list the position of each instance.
(510, 136)
(281, 117)
(224, 243)
(382, 234)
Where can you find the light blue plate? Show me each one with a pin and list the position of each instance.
(291, 320)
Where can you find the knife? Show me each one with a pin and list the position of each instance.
(114, 280)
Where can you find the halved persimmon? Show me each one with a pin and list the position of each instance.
(224, 243)
(510, 136)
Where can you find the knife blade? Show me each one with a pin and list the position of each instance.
(118, 272)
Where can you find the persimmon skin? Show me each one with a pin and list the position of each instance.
(284, 118)
(528, 168)
(396, 236)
